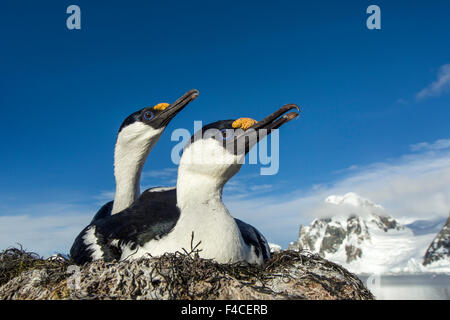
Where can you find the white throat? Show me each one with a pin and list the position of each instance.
(133, 145)
(204, 168)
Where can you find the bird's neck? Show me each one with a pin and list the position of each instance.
(195, 189)
(127, 188)
(128, 164)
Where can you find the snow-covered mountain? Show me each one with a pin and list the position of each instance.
(361, 236)
(438, 252)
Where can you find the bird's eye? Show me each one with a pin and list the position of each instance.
(226, 134)
(148, 115)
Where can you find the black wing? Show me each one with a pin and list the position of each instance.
(82, 253)
(149, 194)
(253, 237)
(104, 211)
(150, 217)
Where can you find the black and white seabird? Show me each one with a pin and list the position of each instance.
(195, 208)
(137, 135)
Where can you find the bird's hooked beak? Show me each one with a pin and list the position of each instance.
(246, 138)
(278, 118)
(170, 111)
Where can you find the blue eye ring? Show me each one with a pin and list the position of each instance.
(148, 115)
(229, 133)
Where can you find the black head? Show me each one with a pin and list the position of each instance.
(159, 116)
(238, 136)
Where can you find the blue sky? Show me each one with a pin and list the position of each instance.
(367, 96)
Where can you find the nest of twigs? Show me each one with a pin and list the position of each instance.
(181, 271)
(14, 261)
(180, 275)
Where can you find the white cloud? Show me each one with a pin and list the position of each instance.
(45, 232)
(160, 177)
(248, 186)
(261, 187)
(105, 196)
(437, 145)
(161, 173)
(439, 86)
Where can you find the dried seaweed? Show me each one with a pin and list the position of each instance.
(182, 271)
(14, 261)
(184, 275)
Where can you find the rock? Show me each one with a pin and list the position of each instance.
(326, 236)
(439, 249)
(287, 275)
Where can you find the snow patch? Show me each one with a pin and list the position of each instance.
(274, 247)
